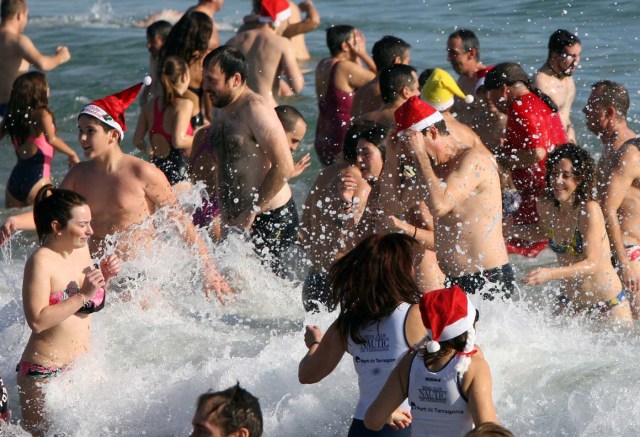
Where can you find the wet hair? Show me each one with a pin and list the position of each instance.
(424, 77)
(560, 40)
(11, 8)
(612, 94)
(231, 410)
(489, 429)
(370, 281)
(188, 38)
(56, 206)
(386, 49)
(393, 79)
(351, 137)
(583, 170)
(230, 61)
(28, 94)
(289, 116)
(469, 40)
(171, 71)
(440, 125)
(509, 74)
(336, 35)
(158, 29)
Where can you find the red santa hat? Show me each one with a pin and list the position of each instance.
(110, 110)
(274, 11)
(447, 313)
(416, 114)
(480, 76)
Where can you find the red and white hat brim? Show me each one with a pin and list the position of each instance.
(424, 123)
(102, 115)
(280, 17)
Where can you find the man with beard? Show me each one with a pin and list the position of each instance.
(618, 176)
(252, 152)
(555, 77)
(463, 53)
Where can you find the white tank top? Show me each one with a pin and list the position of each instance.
(437, 407)
(374, 360)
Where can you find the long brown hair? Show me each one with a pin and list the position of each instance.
(56, 206)
(28, 94)
(172, 69)
(370, 281)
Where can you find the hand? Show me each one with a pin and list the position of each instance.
(412, 141)
(400, 419)
(347, 185)
(357, 44)
(630, 275)
(244, 220)
(73, 160)
(312, 334)
(8, 227)
(93, 280)
(63, 53)
(538, 276)
(214, 281)
(301, 165)
(110, 266)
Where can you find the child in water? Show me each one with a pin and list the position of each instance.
(31, 125)
(167, 120)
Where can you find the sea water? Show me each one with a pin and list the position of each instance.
(160, 344)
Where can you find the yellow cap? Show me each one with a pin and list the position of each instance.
(440, 89)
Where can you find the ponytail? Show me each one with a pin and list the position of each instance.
(171, 71)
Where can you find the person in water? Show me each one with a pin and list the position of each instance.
(30, 125)
(167, 119)
(448, 382)
(61, 289)
(379, 320)
(574, 225)
(233, 412)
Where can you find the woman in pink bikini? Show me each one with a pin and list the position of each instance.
(30, 124)
(167, 119)
(61, 288)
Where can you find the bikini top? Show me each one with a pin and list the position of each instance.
(574, 248)
(93, 305)
(157, 127)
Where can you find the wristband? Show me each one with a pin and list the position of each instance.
(415, 231)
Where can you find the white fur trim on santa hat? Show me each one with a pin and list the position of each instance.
(460, 326)
(103, 116)
(424, 123)
(280, 17)
(442, 106)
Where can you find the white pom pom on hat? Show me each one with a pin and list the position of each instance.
(433, 346)
(146, 81)
(468, 98)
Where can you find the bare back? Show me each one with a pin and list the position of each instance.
(12, 65)
(367, 98)
(561, 90)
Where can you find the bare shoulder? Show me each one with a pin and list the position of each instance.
(82, 171)
(628, 156)
(136, 168)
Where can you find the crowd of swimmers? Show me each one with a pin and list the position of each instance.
(428, 184)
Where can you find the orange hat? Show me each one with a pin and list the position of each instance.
(416, 114)
(110, 110)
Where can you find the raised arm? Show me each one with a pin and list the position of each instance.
(42, 62)
(310, 22)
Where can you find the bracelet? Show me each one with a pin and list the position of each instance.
(84, 301)
(415, 231)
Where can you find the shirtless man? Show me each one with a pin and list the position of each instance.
(120, 189)
(387, 51)
(439, 91)
(463, 52)
(461, 187)
(18, 51)
(397, 83)
(555, 77)
(618, 176)
(254, 161)
(270, 56)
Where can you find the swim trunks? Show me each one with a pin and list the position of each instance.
(273, 232)
(4, 402)
(204, 215)
(316, 289)
(32, 370)
(501, 280)
(28, 171)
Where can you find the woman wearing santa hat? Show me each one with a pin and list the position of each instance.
(448, 384)
(376, 289)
